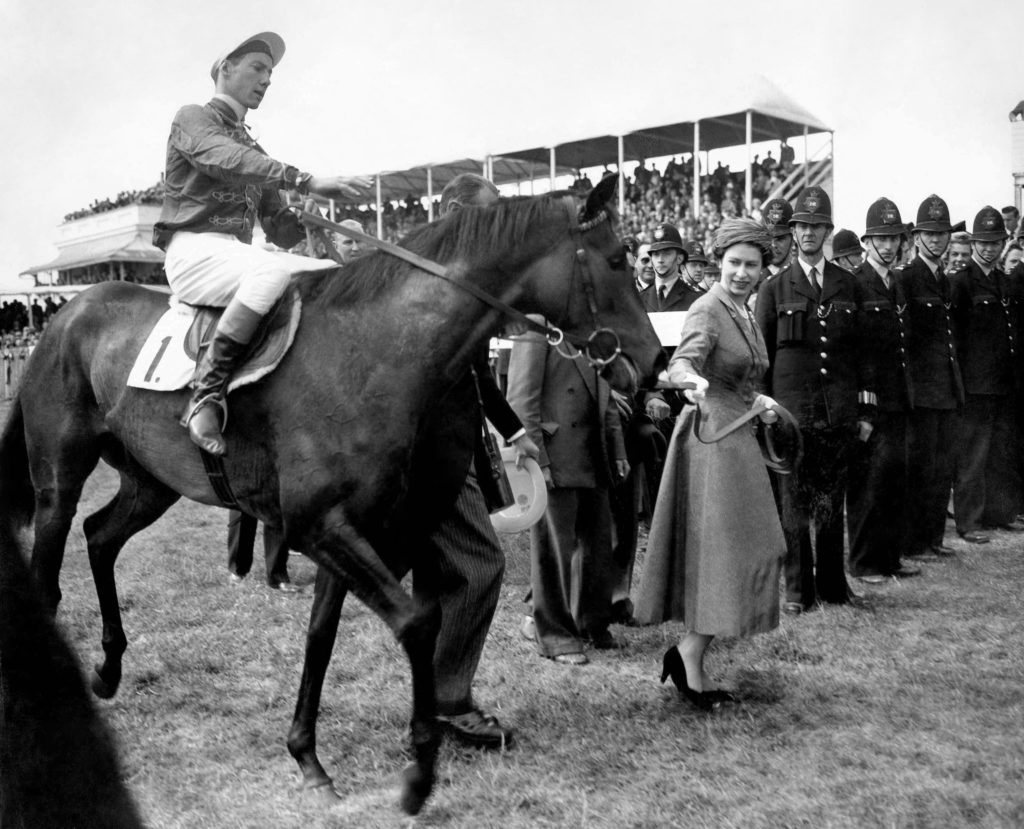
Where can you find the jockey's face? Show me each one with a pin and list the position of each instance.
(246, 79)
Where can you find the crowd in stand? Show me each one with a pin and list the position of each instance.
(151, 195)
(18, 336)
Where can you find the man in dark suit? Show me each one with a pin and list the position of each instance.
(877, 493)
(463, 568)
(938, 387)
(986, 493)
(242, 540)
(820, 372)
(568, 410)
(670, 291)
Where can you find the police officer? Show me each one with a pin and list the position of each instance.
(777, 215)
(693, 270)
(877, 495)
(668, 256)
(808, 314)
(938, 387)
(986, 491)
(847, 252)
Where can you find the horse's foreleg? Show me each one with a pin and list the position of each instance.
(138, 504)
(348, 556)
(328, 598)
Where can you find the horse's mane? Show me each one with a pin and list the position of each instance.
(495, 238)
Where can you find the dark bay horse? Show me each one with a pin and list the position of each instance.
(328, 446)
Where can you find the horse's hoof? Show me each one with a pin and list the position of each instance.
(323, 793)
(100, 687)
(416, 789)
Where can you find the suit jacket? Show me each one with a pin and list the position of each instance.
(567, 410)
(818, 366)
(934, 363)
(679, 298)
(884, 328)
(985, 313)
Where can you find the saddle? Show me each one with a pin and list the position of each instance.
(167, 361)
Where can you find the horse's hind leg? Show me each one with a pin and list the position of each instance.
(59, 472)
(339, 548)
(328, 598)
(138, 503)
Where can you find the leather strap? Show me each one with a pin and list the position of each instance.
(214, 466)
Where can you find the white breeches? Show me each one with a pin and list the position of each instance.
(211, 268)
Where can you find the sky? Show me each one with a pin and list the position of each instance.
(918, 94)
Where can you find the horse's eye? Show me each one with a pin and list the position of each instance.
(617, 262)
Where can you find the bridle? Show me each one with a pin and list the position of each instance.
(601, 348)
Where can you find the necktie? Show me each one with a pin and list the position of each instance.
(940, 277)
(661, 297)
(813, 276)
(887, 281)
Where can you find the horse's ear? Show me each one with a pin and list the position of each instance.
(600, 196)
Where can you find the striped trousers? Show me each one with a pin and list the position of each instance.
(462, 571)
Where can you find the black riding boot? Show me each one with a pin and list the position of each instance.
(208, 412)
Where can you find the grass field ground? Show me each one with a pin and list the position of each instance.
(905, 713)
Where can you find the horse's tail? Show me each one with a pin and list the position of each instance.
(17, 498)
(58, 767)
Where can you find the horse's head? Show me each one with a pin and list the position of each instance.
(583, 286)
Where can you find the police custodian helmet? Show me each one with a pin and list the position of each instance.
(989, 226)
(883, 219)
(666, 235)
(777, 213)
(813, 207)
(933, 216)
(845, 243)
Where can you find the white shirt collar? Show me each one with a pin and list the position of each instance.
(819, 266)
(669, 283)
(881, 270)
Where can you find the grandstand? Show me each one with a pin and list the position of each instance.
(112, 238)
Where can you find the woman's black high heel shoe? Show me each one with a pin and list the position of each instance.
(672, 666)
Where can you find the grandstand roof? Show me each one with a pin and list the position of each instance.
(396, 185)
(660, 127)
(94, 251)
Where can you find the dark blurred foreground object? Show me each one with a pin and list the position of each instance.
(58, 767)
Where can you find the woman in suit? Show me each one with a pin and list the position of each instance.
(716, 545)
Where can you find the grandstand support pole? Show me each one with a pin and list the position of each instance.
(380, 212)
(622, 178)
(330, 209)
(806, 165)
(696, 170)
(748, 189)
(552, 168)
(430, 193)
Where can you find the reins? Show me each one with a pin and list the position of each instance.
(555, 336)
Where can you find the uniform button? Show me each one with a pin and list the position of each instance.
(928, 304)
(824, 339)
(949, 331)
(824, 371)
(904, 364)
(824, 355)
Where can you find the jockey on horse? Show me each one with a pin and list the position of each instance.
(218, 182)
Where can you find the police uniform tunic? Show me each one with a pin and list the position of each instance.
(877, 496)
(938, 393)
(986, 492)
(817, 366)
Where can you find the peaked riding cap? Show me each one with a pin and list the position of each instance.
(933, 216)
(266, 42)
(777, 214)
(883, 219)
(813, 207)
(667, 236)
(845, 243)
(988, 226)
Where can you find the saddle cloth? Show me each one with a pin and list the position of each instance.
(167, 360)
